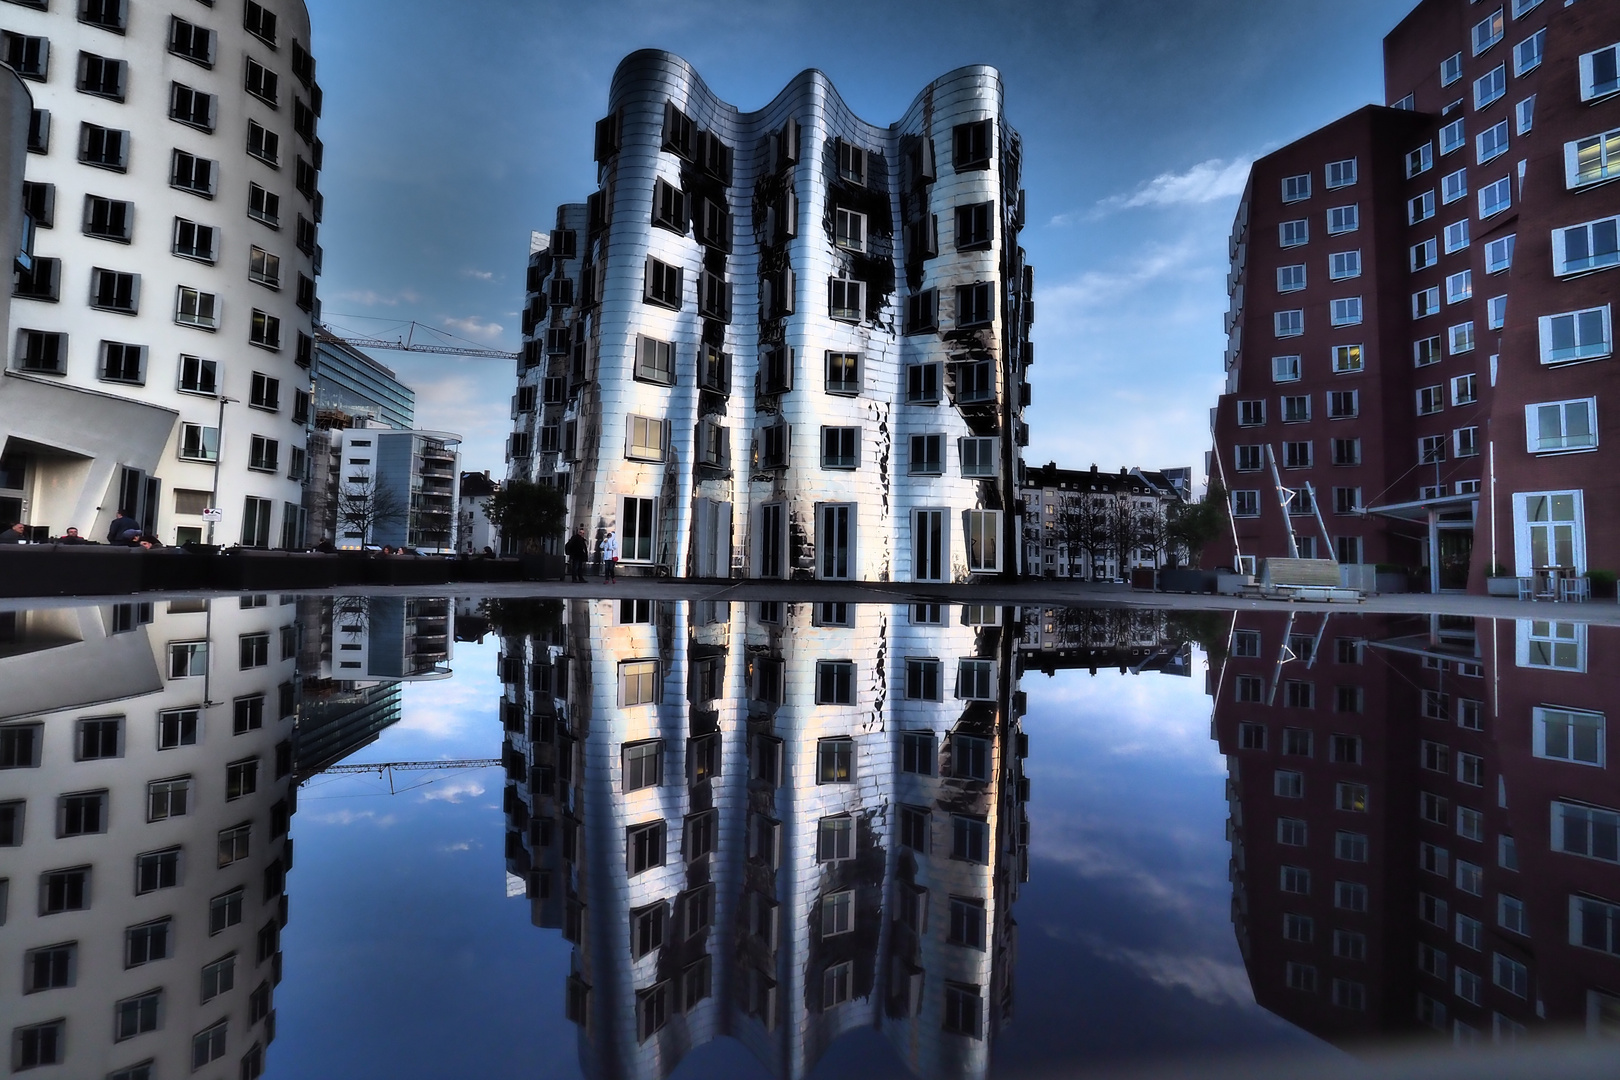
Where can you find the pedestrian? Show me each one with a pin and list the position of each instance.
(610, 556)
(577, 551)
(17, 534)
(123, 523)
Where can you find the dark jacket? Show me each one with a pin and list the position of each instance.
(9, 536)
(576, 548)
(120, 526)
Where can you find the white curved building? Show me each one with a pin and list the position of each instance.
(160, 348)
(820, 322)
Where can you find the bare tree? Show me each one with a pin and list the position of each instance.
(1151, 530)
(1124, 530)
(366, 502)
(1082, 526)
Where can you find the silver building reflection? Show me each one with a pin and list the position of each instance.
(146, 787)
(779, 822)
(817, 321)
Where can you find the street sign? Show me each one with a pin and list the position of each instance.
(213, 513)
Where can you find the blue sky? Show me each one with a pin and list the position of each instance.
(454, 127)
(405, 959)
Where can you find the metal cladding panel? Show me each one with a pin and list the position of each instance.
(757, 267)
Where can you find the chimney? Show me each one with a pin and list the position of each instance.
(1093, 468)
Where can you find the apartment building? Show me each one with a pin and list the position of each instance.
(781, 822)
(144, 822)
(1420, 838)
(815, 321)
(388, 487)
(162, 333)
(1419, 318)
(1099, 526)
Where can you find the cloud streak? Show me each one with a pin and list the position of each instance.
(372, 298)
(474, 327)
(1206, 182)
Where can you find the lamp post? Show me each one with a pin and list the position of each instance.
(219, 448)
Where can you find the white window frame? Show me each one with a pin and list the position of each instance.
(1494, 25)
(1420, 207)
(1348, 359)
(1288, 323)
(1560, 246)
(1543, 715)
(1465, 389)
(1522, 547)
(1295, 233)
(1499, 254)
(1345, 311)
(1495, 197)
(1424, 254)
(1426, 302)
(1285, 369)
(1343, 219)
(1344, 265)
(1459, 286)
(1300, 192)
(1595, 350)
(1453, 186)
(1590, 91)
(1607, 145)
(1539, 444)
(1288, 280)
(1487, 92)
(1528, 54)
(1420, 160)
(1457, 236)
(1460, 338)
(1524, 115)
(1453, 137)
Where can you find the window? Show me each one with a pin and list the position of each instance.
(1592, 160)
(970, 839)
(662, 285)
(923, 383)
(1296, 409)
(1296, 455)
(1561, 425)
(41, 281)
(1425, 255)
(157, 870)
(840, 447)
(264, 330)
(1460, 338)
(1346, 312)
(1347, 451)
(971, 145)
(1488, 31)
(1251, 413)
(1430, 399)
(113, 291)
(837, 913)
(1350, 846)
(1511, 975)
(1343, 265)
(835, 839)
(1301, 928)
(123, 363)
(1569, 735)
(976, 680)
(1347, 360)
(1456, 236)
(973, 226)
(835, 682)
(1290, 278)
(1296, 188)
(1453, 186)
(264, 206)
(922, 311)
(263, 144)
(645, 438)
(1495, 197)
(1249, 458)
(975, 304)
(1575, 335)
(1594, 245)
(1289, 323)
(1600, 73)
(644, 846)
(1425, 302)
(1294, 233)
(1291, 832)
(1496, 312)
(1245, 504)
(1350, 797)
(1295, 879)
(194, 241)
(1593, 923)
(643, 765)
(843, 373)
(851, 163)
(108, 219)
(638, 683)
(168, 798)
(846, 299)
(1343, 219)
(1349, 896)
(1470, 878)
(1451, 69)
(1420, 160)
(1491, 85)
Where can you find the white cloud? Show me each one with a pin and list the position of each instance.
(460, 845)
(478, 275)
(354, 817)
(473, 326)
(454, 791)
(1208, 181)
(372, 298)
(1214, 981)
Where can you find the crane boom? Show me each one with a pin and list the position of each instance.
(414, 766)
(408, 344)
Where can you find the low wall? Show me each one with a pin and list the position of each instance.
(85, 570)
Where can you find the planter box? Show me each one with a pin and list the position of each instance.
(1187, 581)
(1502, 586)
(1392, 583)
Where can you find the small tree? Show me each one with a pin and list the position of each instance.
(530, 514)
(1152, 530)
(1194, 525)
(1124, 532)
(366, 503)
(1082, 526)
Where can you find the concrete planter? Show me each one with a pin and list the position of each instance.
(1502, 586)
(1393, 583)
(1187, 581)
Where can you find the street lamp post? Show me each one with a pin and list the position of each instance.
(219, 448)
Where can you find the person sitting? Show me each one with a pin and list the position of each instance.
(326, 547)
(129, 537)
(72, 537)
(16, 534)
(123, 523)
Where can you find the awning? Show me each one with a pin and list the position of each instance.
(1419, 510)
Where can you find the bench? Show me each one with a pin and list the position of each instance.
(1304, 579)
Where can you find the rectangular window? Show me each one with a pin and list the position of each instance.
(1561, 425)
(1488, 31)
(1456, 236)
(168, 798)
(1453, 186)
(1425, 255)
(843, 373)
(1460, 338)
(1600, 73)
(1495, 197)
(1496, 312)
(1576, 335)
(840, 447)
(1425, 302)
(1296, 188)
(1594, 245)
(645, 438)
(1420, 208)
(835, 682)
(1343, 219)
(662, 284)
(983, 539)
(846, 299)
(1294, 233)
(1592, 160)
(264, 330)
(1245, 504)
(970, 839)
(1343, 265)
(973, 226)
(638, 683)
(1289, 323)
(1290, 278)
(1346, 311)
(1569, 735)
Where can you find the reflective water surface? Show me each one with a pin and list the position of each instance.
(863, 840)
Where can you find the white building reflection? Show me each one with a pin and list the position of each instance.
(146, 787)
(779, 822)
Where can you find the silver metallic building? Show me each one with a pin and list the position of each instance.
(786, 343)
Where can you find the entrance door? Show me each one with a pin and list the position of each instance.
(835, 540)
(928, 546)
(1456, 548)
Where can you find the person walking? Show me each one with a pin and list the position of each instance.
(610, 556)
(577, 551)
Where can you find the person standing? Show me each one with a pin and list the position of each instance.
(123, 523)
(610, 556)
(577, 551)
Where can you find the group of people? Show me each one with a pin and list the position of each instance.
(578, 550)
(125, 531)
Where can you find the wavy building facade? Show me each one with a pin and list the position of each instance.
(162, 334)
(776, 822)
(786, 343)
(144, 847)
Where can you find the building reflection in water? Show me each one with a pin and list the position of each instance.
(1423, 822)
(779, 822)
(146, 787)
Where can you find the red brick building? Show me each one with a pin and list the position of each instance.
(1421, 332)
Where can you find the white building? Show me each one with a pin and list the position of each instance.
(1099, 526)
(474, 530)
(144, 821)
(161, 338)
(391, 487)
(817, 321)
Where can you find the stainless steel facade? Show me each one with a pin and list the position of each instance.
(780, 822)
(786, 343)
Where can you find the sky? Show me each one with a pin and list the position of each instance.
(455, 127)
(404, 958)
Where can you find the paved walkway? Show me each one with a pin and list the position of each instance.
(1037, 592)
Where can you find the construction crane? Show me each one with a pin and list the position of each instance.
(408, 343)
(388, 768)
